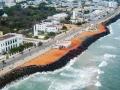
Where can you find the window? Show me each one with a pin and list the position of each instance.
(11, 46)
(6, 43)
(6, 48)
(11, 41)
(16, 40)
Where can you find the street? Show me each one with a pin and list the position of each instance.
(64, 36)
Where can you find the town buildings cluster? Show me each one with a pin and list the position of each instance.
(79, 11)
(24, 3)
(92, 10)
(60, 3)
(51, 24)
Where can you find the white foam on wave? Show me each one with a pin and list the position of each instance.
(98, 77)
(98, 84)
(107, 47)
(103, 64)
(18, 82)
(108, 56)
(63, 68)
(111, 29)
(80, 79)
(117, 38)
(100, 71)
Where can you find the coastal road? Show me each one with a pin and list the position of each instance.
(64, 36)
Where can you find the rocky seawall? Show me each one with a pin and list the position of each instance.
(111, 20)
(27, 70)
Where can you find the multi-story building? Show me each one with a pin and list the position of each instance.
(77, 16)
(17, 1)
(58, 17)
(2, 3)
(9, 41)
(9, 3)
(113, 4)
(46, 27)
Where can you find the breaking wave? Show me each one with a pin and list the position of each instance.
(100, 71)
(98, 84)
(103, 64)
(18, 82)
(117, 38)
(111, 29)
(76, 79)
(108, 56)
(107, 47)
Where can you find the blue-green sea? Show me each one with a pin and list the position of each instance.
(98, 68)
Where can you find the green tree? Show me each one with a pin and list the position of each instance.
(23, 18)
(51, 34)
(64, 28)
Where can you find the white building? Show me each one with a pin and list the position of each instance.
(77, 16)
(58, 17)
(9, 3)
(62, 44)
(2, 3)
(97, 14)
(96, 1)
(17, 1)
(9, 41)
(35, 2)
(113, 4)
(46, 27)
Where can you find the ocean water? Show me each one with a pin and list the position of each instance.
(95, 69)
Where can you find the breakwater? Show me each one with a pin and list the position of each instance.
(27, 70)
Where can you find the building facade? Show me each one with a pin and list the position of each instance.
(46, 27)
(9, 41)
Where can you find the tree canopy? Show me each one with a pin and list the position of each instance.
(23, 18)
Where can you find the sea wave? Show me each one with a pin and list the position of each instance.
(18, 82)
(108, 56)
(107, 47)
(117, 38)
(103, 64)
(111, 30)
(100, 71)
(80, 79)
(98, 84)
(98, 77)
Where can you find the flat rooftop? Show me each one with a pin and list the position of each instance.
(7, 36)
